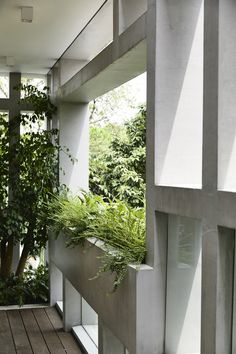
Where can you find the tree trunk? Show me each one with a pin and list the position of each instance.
(29, 244)
(3, 254)
(22, 261)
(6, 263)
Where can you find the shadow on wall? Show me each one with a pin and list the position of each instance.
(179, 93)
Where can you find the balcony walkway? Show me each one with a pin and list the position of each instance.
(37, 330)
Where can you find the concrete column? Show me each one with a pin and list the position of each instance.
(225, 290)
(55, 78)
(210, 246)
(72, 315)
(74, 135)
(227, 92)
(210, 106)
(107, 342)
(56, 284)
(115, 19)
(15, 80)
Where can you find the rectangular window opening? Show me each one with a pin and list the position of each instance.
(183, 302)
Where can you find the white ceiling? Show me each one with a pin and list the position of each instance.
(36, 46)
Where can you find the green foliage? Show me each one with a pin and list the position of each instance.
(120, 171)
(29, 177)
(32, 287)
(114, 105)
(101, 138)
(120, 227)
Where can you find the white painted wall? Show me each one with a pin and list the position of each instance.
(179, 99)
(227, 97)
(74, 134)
(183, 306)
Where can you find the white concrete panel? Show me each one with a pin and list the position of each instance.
(89, 316)
(95, 37)
(179, 98)
(92, 331)
(183, 304)
(69, 67)
(129, 12)
(82, 336)
(227, 94)
(74, 135)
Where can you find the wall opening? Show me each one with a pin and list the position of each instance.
(118, 143)
(4, 86)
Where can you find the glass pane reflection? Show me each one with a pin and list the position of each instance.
(183, 308)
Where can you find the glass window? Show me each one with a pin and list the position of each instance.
(183, 307)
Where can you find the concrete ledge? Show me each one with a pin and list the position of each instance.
(128, 312)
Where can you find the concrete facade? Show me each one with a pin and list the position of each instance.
(183, 300)
(190, 220)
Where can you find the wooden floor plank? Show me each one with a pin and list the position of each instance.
(35, 336)
(20, 337)
(69, 343)
(6, 340)
(50, 336)
(38, 331)
(54, 318)
(67, 339)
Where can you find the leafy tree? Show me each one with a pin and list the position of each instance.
(120, 172)
(101, 138)
(118, 104)
(29, 177)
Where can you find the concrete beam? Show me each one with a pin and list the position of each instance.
(119, 62)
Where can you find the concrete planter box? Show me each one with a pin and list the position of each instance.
(128, 312)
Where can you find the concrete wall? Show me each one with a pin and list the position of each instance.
(129, 12)
(179, 101)
(74, 135)
(128, 311)
(172, 31)
(190, 166)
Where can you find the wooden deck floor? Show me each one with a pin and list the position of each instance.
(34, 331)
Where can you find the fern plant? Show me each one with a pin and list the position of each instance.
(120, 227)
